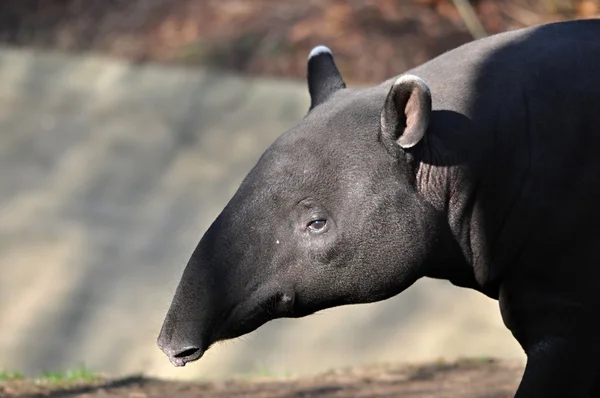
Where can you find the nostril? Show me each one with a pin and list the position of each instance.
(187, 353)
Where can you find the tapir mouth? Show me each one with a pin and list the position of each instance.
(252, 313)
(193, 340)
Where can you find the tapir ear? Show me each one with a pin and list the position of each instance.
(405, 114)
(323, 76)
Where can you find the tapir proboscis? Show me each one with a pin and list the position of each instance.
(481, 167)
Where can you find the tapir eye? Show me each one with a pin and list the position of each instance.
(317, 225)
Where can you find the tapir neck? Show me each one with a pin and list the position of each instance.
(442, 179)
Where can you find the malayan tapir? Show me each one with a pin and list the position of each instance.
(481, 167)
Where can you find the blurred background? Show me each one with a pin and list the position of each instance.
(126, 126)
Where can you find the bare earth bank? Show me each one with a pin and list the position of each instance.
(465, 379)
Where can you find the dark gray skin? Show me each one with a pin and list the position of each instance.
(481, 167)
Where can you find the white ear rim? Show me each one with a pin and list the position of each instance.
(412, 79)
(318, 50)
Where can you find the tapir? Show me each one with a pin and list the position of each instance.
(480, 167)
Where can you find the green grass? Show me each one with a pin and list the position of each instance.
(9, 376)
(69, 376)
(80, 374)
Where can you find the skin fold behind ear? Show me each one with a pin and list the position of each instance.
(406, 112)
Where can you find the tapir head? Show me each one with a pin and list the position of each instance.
(330, 215)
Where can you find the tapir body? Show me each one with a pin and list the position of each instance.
(481, 166)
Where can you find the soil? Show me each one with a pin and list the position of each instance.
(465, 379)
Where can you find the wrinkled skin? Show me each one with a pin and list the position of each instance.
(480, 167)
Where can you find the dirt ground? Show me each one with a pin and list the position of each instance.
(465, 379)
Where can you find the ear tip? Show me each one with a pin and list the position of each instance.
(408, 78)
(413, 80)
(318, 50)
